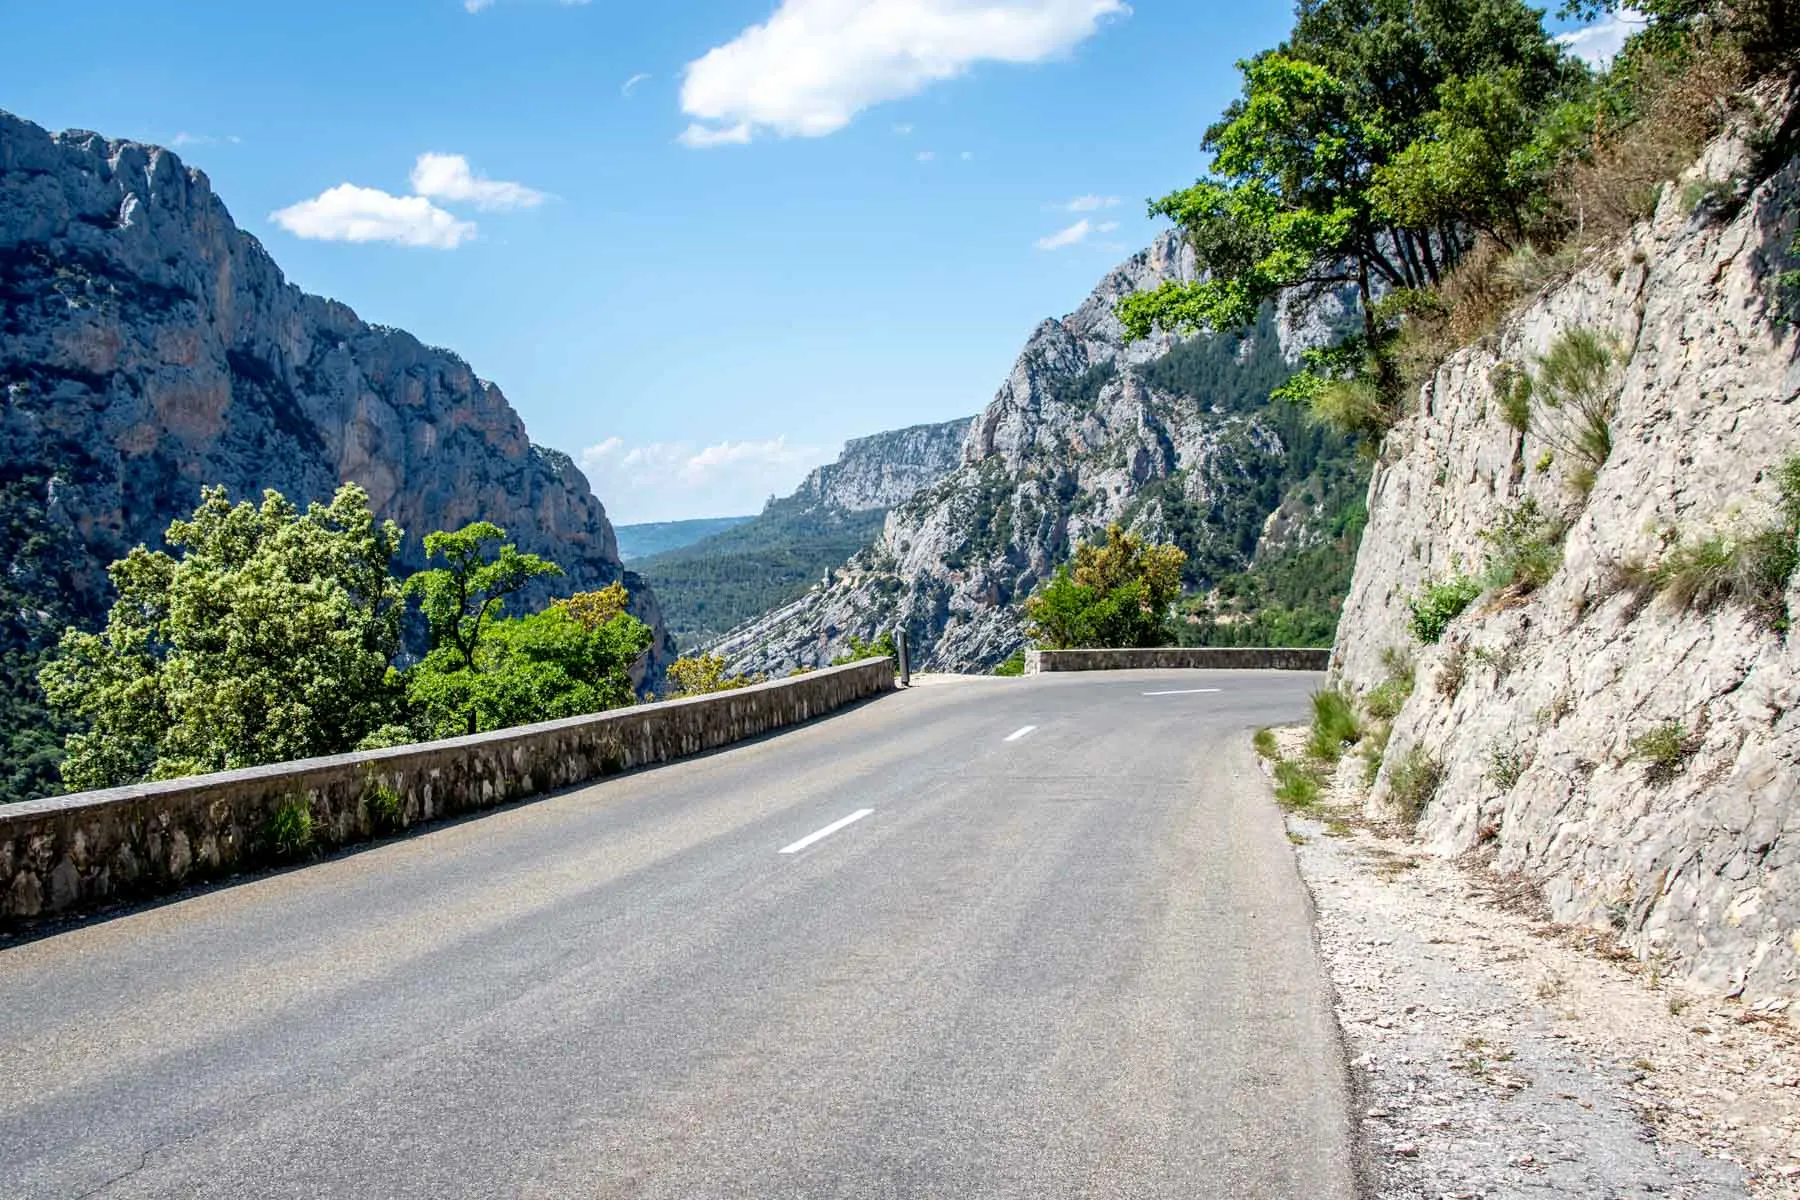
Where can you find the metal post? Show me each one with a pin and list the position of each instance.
(905, 659)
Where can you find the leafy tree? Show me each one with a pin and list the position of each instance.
(1350, 159)
(704, 674)
(573, 658)
(1116, 596)
(462, 602)
(266, 637)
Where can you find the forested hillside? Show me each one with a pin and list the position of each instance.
(659, 537)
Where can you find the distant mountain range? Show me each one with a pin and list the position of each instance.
(150, 347)
(658, 537)
(711, 585)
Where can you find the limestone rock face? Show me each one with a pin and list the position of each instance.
(151, 347)
(1084, 431)
(884, 469)
(1532, 705)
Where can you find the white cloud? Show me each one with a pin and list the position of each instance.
(448, 177)
(1074, 235)
(927, 155)
(1596, 44)
(347, 213)
(700, 137)
(903, 130)
(640, 77)
(673, 480)
(1089, 203)
(812, 66)
(1107, 227)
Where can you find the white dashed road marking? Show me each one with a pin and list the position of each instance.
(826, 832)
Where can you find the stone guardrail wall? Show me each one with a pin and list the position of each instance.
(68, 853)
(1225, 658)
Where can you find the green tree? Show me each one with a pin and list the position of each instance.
(462, 602)
(267, 636)
(1115, 596)
(1348, 160)
(704, 674)
(573, 658)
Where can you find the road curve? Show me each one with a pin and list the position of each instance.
(917, 949)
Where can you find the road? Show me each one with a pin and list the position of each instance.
(1069, 960)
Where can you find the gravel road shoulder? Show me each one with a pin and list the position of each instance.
(1498, 1055)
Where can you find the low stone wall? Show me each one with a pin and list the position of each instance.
(1227, 658)
(69, 853)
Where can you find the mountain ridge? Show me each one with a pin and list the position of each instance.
(150, 347)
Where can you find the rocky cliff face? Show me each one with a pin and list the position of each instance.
(150, 347)
(1086, 430)
(884, 469)
(1532, 704)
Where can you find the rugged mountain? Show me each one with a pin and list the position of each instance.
(1636, 754)
(715, 584)
(657, 537)
(1174, 437)
(150, 347)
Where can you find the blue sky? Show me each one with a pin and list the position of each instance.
(698, 245)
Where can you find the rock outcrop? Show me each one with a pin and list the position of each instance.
(884, 469)
(1087, 429)
(150, 347)
(1532, 704)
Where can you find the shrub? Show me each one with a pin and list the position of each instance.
(1013, 666)
(1575, 400)
(1385, 701)
(1526, 548)
(1264, 741)
(704, 674)
(1115, 596)
(1334, 725)
(289, 831)
(1296, 785)
(1414, 781)
(859, 650)
(1664, 750)
(1452, 671)
(1752, 571)
(1505, 766)
(1441, 603)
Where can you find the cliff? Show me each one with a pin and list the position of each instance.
(884, 469)
(150, 347)
(1538, 706)
(1173, 437)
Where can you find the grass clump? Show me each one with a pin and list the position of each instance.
(289, 830)
(1664, 751)
(1013, 666)
(1264, 742)
(1413, 782)
(1505, 767)
(384, 804)
(1334, 726)
(1297, 786)
(1526, 548)
(1751, 571)
(1570, 402)
(1440, 603)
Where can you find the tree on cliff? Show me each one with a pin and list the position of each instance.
(267, 637)
(1365, 150)
(1117, 596)
(485, 671)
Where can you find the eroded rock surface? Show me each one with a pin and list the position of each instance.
(150, 347)
(1532, 704)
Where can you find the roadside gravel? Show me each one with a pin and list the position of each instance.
(1500, 1056)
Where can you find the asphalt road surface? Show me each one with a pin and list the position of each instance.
(1061, 952)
